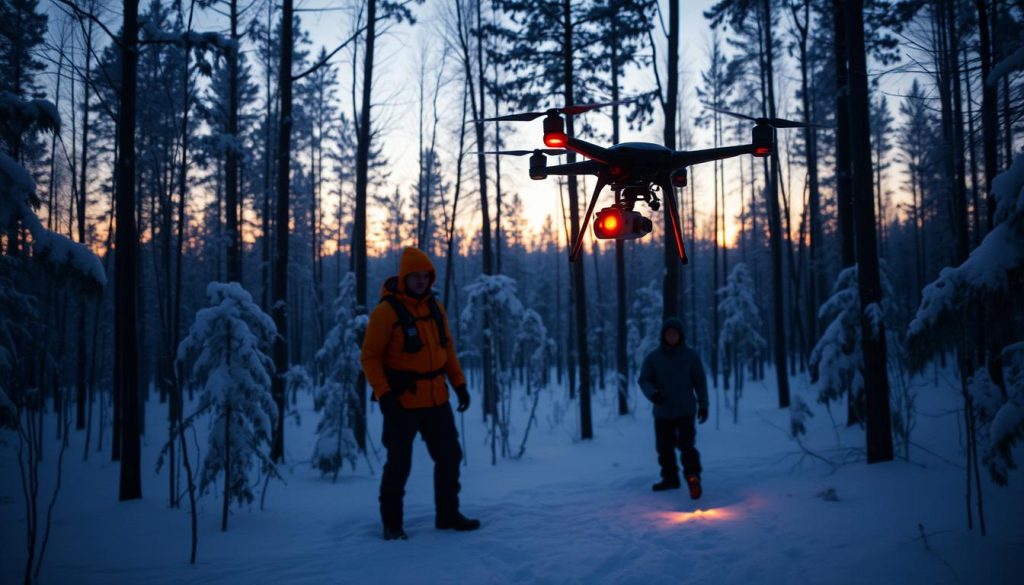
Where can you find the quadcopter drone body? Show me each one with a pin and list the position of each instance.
(635, 171)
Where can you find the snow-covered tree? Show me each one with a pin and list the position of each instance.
(338, 363)
(227, 344)
(836, 362)
(645, 323)
(988, 283)
(739, 338)
(494, 300)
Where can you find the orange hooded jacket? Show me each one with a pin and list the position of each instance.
(383, 345)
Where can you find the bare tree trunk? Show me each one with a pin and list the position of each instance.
(844, 196)
(231, 158)
(876, 379)
(359, 252)
(126, 264)
(670, 287)
(621, 354)
(227, 466)
(450, 256)
(81, 201)
(279, 307)
(775, 224)
(579, 292)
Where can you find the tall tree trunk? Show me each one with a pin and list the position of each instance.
(478, 107)
(126, 264)
(988, 106)
(579, 292)
(279, 307)
(359, 251)
(621, 355)
(227, 465)
(844, 196)
(81, 201)
(815, 272)
(231, 158)
(670, 287)
(775, 224)
(876, 379)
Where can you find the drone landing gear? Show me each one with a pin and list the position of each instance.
(625, 202)
(575, 252)
(673, 214)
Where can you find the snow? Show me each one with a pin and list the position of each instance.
(1008, 65)
(567, 512)
(36, 113)
(16, 190)
(196, 40)
(988, 267)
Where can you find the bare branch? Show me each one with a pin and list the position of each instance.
(326, 59)
(85, 14)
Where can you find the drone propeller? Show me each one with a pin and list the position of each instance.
(773, 122)
(550, 151)
(568, 111)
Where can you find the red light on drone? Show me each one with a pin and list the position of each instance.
(555, 139)
(610, 225)
(762, 151)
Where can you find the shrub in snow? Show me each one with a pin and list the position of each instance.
(493, 299)
(799, 412)
(989, 284)
(226, 345)
(336, 399)
(532, 341)
(739, 340)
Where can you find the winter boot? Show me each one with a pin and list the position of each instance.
(457, 522)
(395, 534)
(666, 484)
(693, 481)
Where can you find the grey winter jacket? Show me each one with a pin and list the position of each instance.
(678, 373)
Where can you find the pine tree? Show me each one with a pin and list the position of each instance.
(227, 346)
(740, 340)
(338, 371)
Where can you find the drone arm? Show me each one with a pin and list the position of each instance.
(587, 167)
(591, 151)
(685, 158)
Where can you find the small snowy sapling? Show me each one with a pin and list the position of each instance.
(226, 345)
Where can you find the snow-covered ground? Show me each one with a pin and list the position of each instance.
(567, 512)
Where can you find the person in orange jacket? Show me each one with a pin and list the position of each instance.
(407, 352)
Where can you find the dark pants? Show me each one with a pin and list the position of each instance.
(676, 433)
(437, 427)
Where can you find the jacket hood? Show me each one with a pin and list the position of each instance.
(673, 323)
(412, 260)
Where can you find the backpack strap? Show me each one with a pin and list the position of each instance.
(435, 311)
(407, 322)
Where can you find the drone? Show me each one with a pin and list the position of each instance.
(635, 171)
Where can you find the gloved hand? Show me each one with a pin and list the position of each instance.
(389, 402)
(657, 397)
(463, 395)
(702, 413)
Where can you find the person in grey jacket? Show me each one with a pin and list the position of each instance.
(672, 377)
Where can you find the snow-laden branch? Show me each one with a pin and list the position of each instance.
(1008, 65)
(18, 190)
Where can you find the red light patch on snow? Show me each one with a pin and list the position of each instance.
(709, 515)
